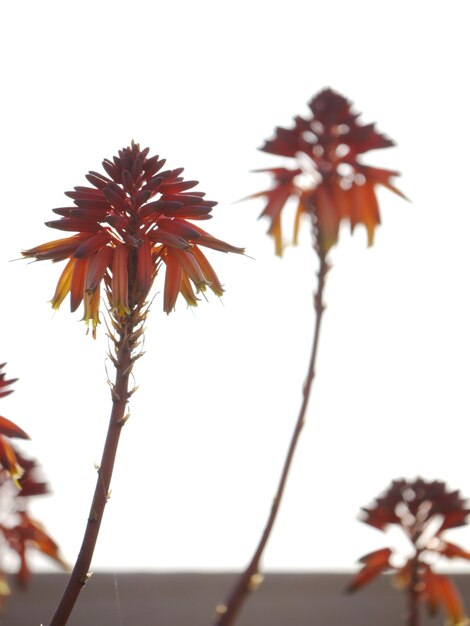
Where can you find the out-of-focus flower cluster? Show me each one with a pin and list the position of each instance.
(20, 479)
(423, 510)
(328, 181)
(127, 225)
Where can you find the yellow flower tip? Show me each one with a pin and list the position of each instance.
(15, 473)
(4, 586)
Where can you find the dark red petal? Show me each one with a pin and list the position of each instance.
(152, 165)
(112, 170)
(9, 429)
(73, 224)
(127, 181)
(98, 180)
(159, 206)
(181, 197)
(190, 267)
(160, 236)
(90, 213)
(92, 245)
(178, 227)
(97, 266)
(178, 187)
(209, 241)
(116, 199)
(153, 184)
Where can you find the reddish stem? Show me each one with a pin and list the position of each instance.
(227, 613)
(413, 593)
(120, 394)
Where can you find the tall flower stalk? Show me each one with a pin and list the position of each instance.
(423, 511)
(129, 225)
(329, 185)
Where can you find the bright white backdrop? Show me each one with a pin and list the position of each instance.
(203, 84)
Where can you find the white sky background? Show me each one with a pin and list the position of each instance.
(203, 85)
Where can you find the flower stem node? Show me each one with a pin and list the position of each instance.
(86, 578)
(255, 581)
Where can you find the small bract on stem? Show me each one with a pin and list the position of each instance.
(330, 185)
(129, 226)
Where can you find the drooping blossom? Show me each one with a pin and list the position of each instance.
(127, 225)
(423, 511)
(325, 175)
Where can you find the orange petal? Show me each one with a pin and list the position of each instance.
(173, 278)
(375, 563)
(77, 286)
(57, 250)
(328, 217)
(63, 286)
(451, 601)
(144, 266)
(120, 281)
(453, 551)
(208, 271)
(298, 214)
(191, 267)
(9, 461)
(366, 209)
(92, 308)
(34, 532)
(187, 291)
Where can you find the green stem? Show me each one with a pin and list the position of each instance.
(250, 579)
(123, 360)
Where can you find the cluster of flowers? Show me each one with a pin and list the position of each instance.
(19, 480)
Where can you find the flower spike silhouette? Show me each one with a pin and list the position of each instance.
(131, 225)
(127, 225)
(423, 511)
(330, 184)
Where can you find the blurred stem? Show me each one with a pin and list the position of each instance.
(413, 594)
(250, 578)
(125, 343)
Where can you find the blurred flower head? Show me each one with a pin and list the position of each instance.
(127, 225)
(20, 479)
(9, 459)
(423, 510)
(326, 176)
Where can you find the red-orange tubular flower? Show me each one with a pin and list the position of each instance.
(423, 510)
(127, 225)
(328, 181)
